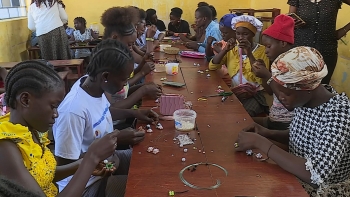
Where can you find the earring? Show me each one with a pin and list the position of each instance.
(105, 81)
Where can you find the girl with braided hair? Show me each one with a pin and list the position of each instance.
(33, 92)
(86, 116)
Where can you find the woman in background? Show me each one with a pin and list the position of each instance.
(82, 35)
(46, 18)
(177, 25)
(152, 19)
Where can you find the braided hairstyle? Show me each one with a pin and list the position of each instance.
(12, 189)
(33, 76)
(81, 20)
(109, 55)
(120, 20)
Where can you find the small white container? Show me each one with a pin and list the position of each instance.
(184, 119)
(172, 68)
(163, 46)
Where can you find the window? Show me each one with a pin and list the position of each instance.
(12, 9)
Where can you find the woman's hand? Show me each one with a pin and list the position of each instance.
(258, 129)
(151, 31)
(147, 115)
(147, 68)
(210, 40)
(153, 90)
(192, 45)
(260, 70)
(246, 141)
(246, 46)
(102, 148)
(169, 33)
(130, 136)
(231, 43)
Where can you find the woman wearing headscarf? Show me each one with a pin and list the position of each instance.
(246, 27)
(46, 18)
(177, 25)
(320, 30)
(152, 19)
(319, 135)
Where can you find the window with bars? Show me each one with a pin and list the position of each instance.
(12, 9)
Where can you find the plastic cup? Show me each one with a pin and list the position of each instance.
(172, 68)
(184, 119)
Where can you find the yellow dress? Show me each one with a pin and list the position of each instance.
(231, 60)
(41, 166)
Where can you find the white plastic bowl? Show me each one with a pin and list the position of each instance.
(184, 119)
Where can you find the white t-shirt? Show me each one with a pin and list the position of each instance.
(82, 119)
(44, 19)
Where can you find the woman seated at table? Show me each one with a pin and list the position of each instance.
(319, 135)
(152, 19)
(216, 46)
(34, 91)
(82, 36)
(246, 27)
(86, 115)
(118, 23)
(177, 25)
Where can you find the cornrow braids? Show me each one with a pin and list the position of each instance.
(12, 189)
(33, 76)
(81, 20)
(109, 55)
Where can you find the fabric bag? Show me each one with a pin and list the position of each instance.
(243, 91)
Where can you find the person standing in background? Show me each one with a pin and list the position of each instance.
(319, 31)
(46, 18)
(152, 19)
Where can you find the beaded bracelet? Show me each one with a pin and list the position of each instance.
(218, 183)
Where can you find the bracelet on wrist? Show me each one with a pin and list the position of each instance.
(150, 39)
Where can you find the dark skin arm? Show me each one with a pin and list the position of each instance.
(64, 171)
(13, 168)
(343, 31)
(287, 161)
(208, 49)
(229, 46)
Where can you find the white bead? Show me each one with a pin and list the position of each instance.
(185, 150)
(181, 145)
(155, 151)
(105, 161)
(149, 131)
(183, 159)
(150, 149)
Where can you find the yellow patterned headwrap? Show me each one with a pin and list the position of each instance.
(301, 68)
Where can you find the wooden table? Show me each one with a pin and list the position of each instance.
(218, 124)
(73, 63)
(33, 50)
